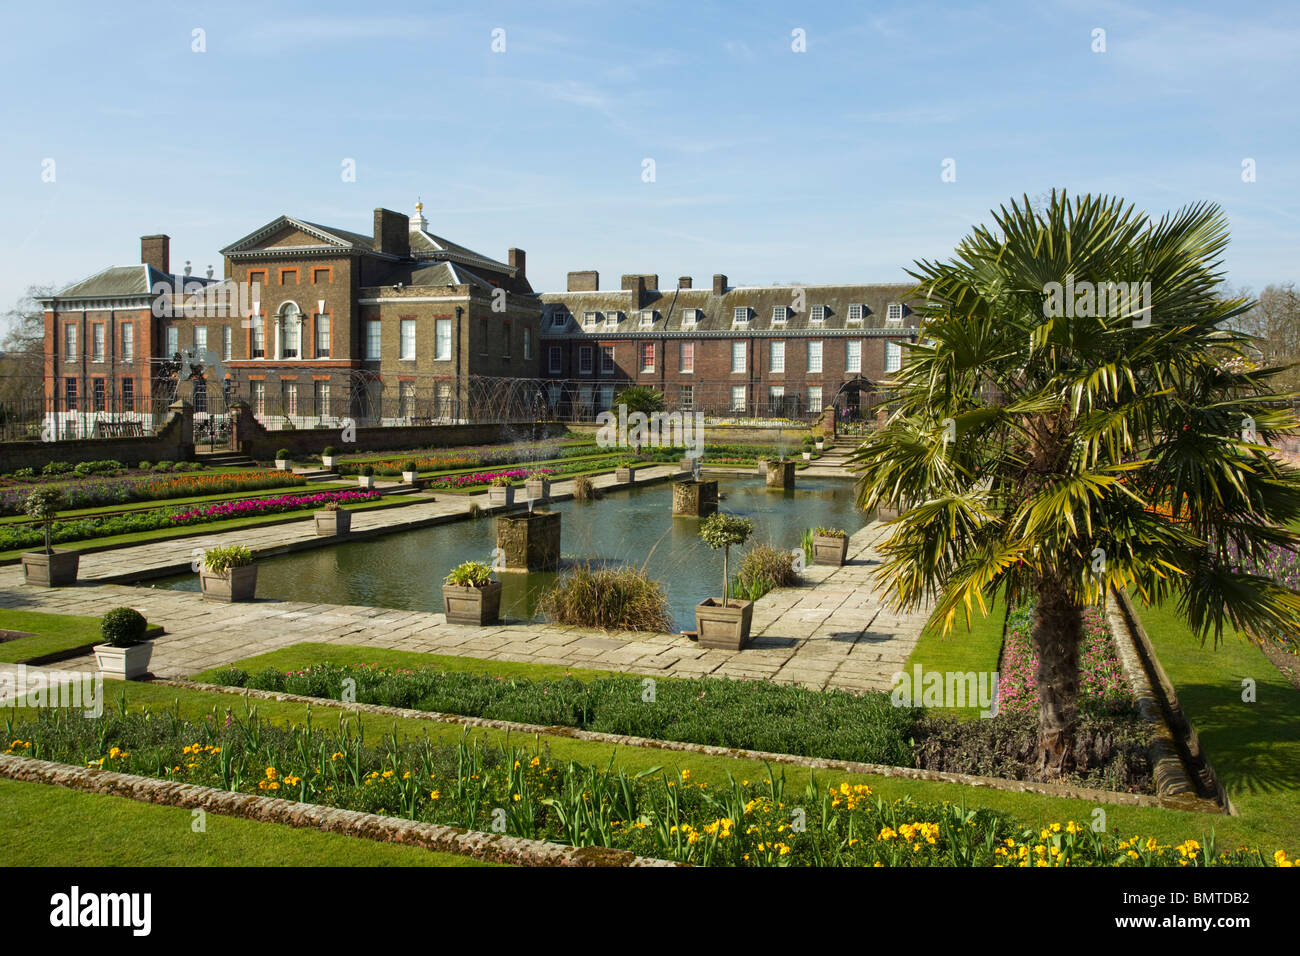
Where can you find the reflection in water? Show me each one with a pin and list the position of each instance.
(636, 527)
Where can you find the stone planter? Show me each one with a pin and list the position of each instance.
(236, 584)
(780, 474)
(762, 467)
(366, 481)
(475, 606)
(624, 476)
(725, 628)
(529, 541)
(695, 499)
(56, 570)
(828, 549)
(330, 523)
(821, 446)
(807, 456)
(329, 461)
(410, 477)
(538, 489)
(124, 663)
(282, 464)
(499, 495)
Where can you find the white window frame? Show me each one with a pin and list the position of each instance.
(555, 360)
(374, 340)
(815, 353)
(738, 398)
(612, 319)
(200, 340)
(738, 360)
(587, 352)
(815, 390)
(98, 342)
(127, 336)
(227, 343)
(776, 357)
(780, 313)
(590, 319)
(441, 338)
(894, 314)
(69, 342)
(740, 315)
(856, 312)
(653, 355)
(690, 317)
(686, 396)
(648, 317)
(406, 340)
(817, 314)
(682, 349)
(607, 352)
(893, 357)
(852, 363)
(528, 343)
(171, 341)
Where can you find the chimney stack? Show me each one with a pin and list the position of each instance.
(684, 282)
(392, 233)
(719, 283)
(588, 281)
(518, 260)
(636, 285)
(156, 251)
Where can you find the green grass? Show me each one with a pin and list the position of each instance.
(962, 650)
(51, 633)
(308, 654)
(45, 825)
(1254, 748)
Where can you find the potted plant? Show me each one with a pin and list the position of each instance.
(333, 520)
(470, 596)
(367, 477)
(282, 459)
(409, 472)
(228, 574)
(125, 653)
(819, 440)
(807, 447)
(329, 457)
(624, 474)
(48, 568)
(724, 624)
(538, 486)
(830, 546)
(501, 491)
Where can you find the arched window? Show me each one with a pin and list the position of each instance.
(291, 331)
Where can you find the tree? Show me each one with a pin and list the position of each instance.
(1274, 320)
(640, 398)
(1053, 454)
(721, 530)
(22, 362)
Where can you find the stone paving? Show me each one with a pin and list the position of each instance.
(832, 631)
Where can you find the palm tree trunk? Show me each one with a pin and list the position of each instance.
(1058, 632)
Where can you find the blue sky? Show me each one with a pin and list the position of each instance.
(770, 165)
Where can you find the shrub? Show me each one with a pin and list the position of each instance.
(56, 468)
(329, 452)
(221, 560)
(613, 599)
(282, 454)
(763, 568)
(145, 465)
(25, 473)
(123, 627)
(163, 466)
(409, 465)
(470, 574)
(368, 471)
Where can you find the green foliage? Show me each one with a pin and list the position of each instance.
(123, 627)
(409, 465)
(368, 471)
(721, 530)
(613, 599)
(329, 452)
(282, 454)
(640, 398)
(56, 468)
(501, 481)
(584, 489)
(830, 532)
(470, 574)
(222, 559)
(763, 568)
(42, 505)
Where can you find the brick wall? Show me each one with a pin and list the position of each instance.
(173, 442)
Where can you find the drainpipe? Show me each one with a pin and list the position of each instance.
(460, 334)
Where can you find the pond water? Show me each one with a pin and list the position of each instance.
(636, 527)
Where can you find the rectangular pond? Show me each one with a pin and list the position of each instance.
(635, 527)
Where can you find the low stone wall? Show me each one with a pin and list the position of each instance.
(490, 847)
(174, 441)
(252, 439)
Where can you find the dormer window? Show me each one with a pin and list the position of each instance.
(894, 314)
(590, 318)
(690, 316)
(559, 320)
(648, 317)
(741, 315)
(612, 319)
(780, 313)
(818, 314)
(856, 312)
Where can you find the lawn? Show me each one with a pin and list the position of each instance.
(45, 825)
(51, 633)
(1254, 748)
(963, 650)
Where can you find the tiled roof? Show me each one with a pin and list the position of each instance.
(425, 245)
(717, 312)
(125, 281)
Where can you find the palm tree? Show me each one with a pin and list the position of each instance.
(1038, 448)
(640, 398)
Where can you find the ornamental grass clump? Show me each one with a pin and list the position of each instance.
(612, 599)
(763, 568)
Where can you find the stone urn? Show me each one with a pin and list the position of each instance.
(538, 489)
(501, 495)
(52, 569)
(624, 476)
(234, 584)
(124, 663)
(830, 549)
(529, 541)
(694, 499)
(329, 523)
(470, 605)
(723, 627)
(410, 477)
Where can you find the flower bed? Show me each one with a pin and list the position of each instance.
(1102, 687)
(485, 455)
(96, 492)
(84, 529)
(529, 794)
